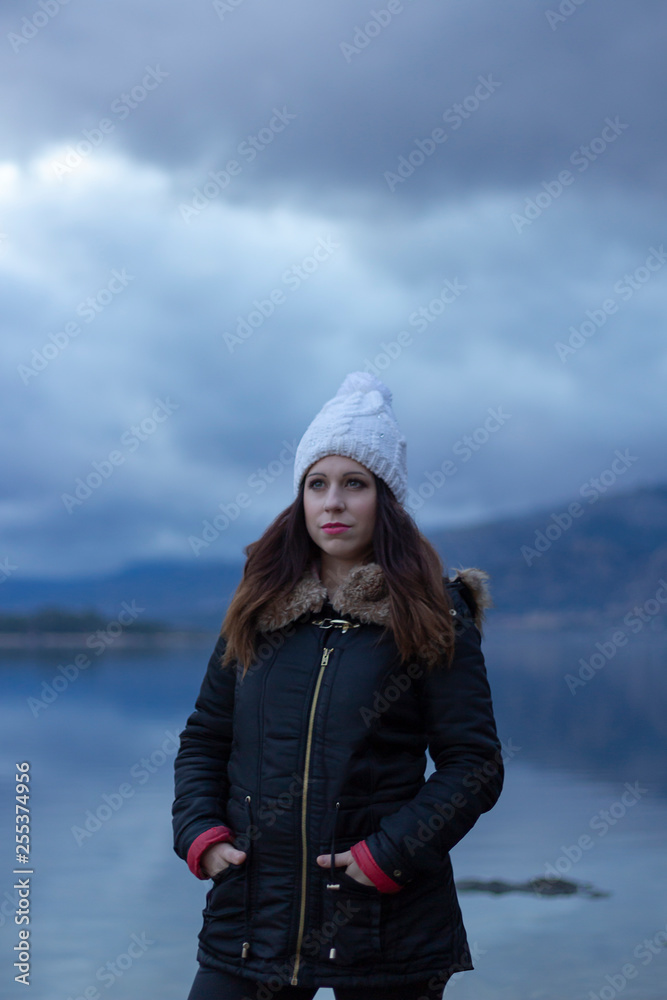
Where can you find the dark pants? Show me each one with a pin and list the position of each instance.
(210, 984)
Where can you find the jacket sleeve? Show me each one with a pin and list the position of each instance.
(468, 778)
(200, 769)
(367, 863)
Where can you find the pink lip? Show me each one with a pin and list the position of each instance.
(335, 529)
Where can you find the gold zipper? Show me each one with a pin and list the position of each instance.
(326, 653)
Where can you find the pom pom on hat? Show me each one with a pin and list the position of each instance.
(364, 382)
(357, 422)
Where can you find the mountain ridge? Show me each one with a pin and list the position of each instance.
(549, 562)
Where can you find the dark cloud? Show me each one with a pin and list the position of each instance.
(551, 90)
(457, 288)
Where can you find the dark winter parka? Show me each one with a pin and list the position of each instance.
(322, 746)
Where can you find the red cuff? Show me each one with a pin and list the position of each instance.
(369, 866)
(216, 835)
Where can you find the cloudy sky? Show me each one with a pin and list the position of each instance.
(212, 212)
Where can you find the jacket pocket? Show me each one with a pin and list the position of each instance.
(225, 913)
(421, 920)
(351, 922)
(227, 910)
(224, 873)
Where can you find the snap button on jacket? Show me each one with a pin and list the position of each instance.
(321, 748)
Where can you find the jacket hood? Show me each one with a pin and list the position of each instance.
(364, 596)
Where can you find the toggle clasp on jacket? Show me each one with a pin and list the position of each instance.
(340, 623)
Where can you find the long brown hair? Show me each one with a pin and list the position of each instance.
(413, 570)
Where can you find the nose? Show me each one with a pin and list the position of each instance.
(333, 499)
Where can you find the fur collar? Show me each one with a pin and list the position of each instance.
(362, 595)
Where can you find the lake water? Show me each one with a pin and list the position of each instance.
(582, 762)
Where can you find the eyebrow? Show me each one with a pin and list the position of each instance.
(351, 472)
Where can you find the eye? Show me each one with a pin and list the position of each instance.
(352, 481)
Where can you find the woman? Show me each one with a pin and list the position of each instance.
(300, 786)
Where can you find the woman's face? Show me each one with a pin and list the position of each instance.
(340, 499)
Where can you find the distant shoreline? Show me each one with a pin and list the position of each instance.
(80, 640)
(533, 621)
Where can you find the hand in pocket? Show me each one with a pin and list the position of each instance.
(352, 869)
(218, 857)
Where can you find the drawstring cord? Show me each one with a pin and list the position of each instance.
(246, 943)
(333, 847)
(332, 884)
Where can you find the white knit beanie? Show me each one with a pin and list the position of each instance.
(358, 423)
